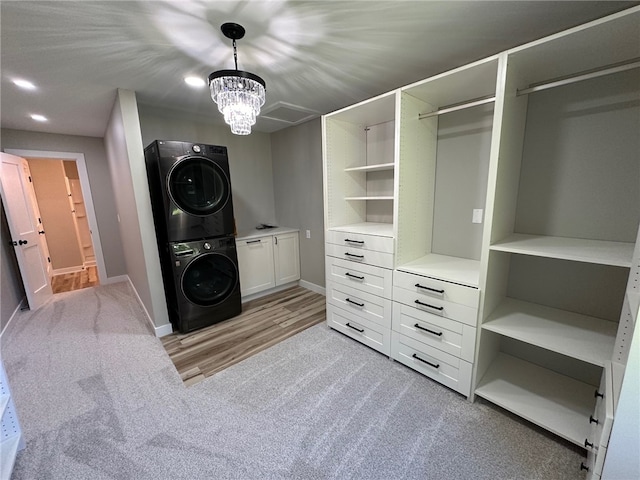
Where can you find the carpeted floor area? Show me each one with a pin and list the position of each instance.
(98, 398)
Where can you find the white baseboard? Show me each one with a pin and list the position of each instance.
(62, 271)
(164, 330)
(313, 287)
(22, 302)
(269, 291)
(116, 279)
(160, 331)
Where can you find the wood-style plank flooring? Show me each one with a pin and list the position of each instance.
(262, 323)
(68, 282)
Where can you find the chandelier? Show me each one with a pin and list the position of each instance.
(239, 95)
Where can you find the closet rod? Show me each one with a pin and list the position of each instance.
(456, 107)
(586, 75)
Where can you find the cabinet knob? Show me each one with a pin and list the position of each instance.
(583, 466)
(587, 443)
(597, 394)
(593, 420)
(22, 242)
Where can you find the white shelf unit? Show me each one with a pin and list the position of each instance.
(562, 210)
(444, 156)
(11, 440)
(359, 152)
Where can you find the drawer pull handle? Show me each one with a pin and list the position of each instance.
(593, 420)
(417, 325)
(434, 365)
(430, 306)
(253, 241)
(434, 290)
(583, 466)
(352, 255)
(597, 394)
(587, 443)
(354, 276)
(361, 330)
(355, 303)
(361, 242)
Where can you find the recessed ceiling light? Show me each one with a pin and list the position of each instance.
(39, 118)
(27, 85)
(194, 82)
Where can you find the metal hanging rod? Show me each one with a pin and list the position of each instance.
(585, 75)
(458, 106)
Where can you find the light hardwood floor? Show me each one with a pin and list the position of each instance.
(68, 282)
(262, 323)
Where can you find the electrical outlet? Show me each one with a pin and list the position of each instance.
(477, 215)
(308, 234)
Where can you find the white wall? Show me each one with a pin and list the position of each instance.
(125, 154)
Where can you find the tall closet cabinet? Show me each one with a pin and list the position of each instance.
(482, 226)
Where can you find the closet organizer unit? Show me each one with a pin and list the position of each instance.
(359, 190)
(561, 282)
(444, 153)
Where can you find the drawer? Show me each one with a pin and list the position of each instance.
(428, 287)
(366, 305)
(360, 329)
(358, 240)
(440, 366)
(360, 255)
(444, 334)
(442, 308)
(368, 278)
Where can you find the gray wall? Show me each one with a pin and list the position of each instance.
(11, 288)
(123, 144)
(99, 179)
(297, 185)
(249, 158)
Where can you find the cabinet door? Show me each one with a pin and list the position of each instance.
(287, 258)
(255, 262)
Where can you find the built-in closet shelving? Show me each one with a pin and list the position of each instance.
(508, 192)
(564, 206)
(360, 193)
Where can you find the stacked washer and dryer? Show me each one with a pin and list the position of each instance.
(190, 191)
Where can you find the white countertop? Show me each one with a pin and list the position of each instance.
(255, 233)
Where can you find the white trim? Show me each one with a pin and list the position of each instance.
(164, 330)
(23, 301)
(313, 287)
(62, 271)
(86, 193)
(116, 279)
(160, 331)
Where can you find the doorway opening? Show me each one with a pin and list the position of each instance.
(63, 197)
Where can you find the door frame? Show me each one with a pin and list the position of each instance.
(86, 193)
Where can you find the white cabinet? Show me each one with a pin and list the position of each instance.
(268, 260)
(11, 435)
(286, 257)
(510, 189)
(563, 215)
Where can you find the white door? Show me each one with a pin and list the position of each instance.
(24, 225)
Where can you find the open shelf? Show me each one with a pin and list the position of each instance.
(4, 401)
(451, 269)
(555, 402)
(367, 228)
(585, 338)
(617, 254)
(378, 197)
(371, 168)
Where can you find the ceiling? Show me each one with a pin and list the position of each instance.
(315, 56)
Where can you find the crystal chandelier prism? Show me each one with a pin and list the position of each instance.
(238, 94)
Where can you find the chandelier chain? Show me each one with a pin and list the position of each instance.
(235, 54)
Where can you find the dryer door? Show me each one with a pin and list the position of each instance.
(198, 186)
(209, 279)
